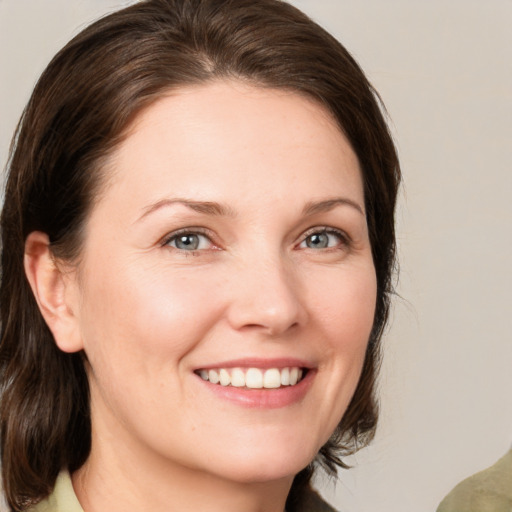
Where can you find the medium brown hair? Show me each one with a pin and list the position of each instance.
(78, 113)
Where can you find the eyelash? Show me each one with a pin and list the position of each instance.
(344, 239)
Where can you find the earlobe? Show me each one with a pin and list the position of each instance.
(54, 292)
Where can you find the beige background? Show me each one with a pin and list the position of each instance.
(444, 70)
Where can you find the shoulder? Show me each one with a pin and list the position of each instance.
(488, 490)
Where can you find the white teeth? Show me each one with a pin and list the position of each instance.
(238, 378)
(225, 379)
(253, 378)
(285, 377)
(272, 378)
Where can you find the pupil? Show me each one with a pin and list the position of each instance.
(187, 242)
(319, 240)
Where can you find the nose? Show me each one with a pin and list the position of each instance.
(266, 296)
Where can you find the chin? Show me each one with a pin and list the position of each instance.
(271, 463)
(265, 472)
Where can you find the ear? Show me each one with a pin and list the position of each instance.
(55, 290)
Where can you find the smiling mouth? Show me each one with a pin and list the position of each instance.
(254, 378)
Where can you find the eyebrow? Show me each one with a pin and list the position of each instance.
(205, 207)
(218, 209)
(313, 207)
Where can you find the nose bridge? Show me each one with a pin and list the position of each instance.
(266, 294)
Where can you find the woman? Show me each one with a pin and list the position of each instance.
(198, 241)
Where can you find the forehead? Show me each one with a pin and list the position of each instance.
(227, 137)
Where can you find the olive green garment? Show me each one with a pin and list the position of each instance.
(63, 499)
(487, 491)
(312, 502)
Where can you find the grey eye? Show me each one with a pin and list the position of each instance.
(317, 241)
(323, 240)
(189, 241)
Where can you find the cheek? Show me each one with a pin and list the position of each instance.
(341, 318)
(137, 316)
(346, 306)
(345, 317)
(174, 313)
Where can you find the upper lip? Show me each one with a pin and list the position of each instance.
(263, 363)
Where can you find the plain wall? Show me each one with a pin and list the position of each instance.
(444, 71)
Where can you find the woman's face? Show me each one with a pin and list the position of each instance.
(230, 243)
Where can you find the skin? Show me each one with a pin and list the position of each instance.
(148, 314)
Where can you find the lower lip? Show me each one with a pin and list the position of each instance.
(263, 398)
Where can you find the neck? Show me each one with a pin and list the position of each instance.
(115, 480)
